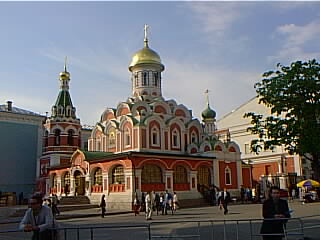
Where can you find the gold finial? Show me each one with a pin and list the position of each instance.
(207, 96)
(146, 26)
(65, 64)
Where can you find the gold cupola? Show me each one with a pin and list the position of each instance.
(65, 75)
(146, 55)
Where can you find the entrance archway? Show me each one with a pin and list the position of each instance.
(79, 183)
(204, 176)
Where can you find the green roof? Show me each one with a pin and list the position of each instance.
(95, 155)
(64, 99)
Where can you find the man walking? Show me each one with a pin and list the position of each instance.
(224, 200)
(149, 205)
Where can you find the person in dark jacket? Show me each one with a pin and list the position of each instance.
(103, 206)
(274, 208)
(224, 200)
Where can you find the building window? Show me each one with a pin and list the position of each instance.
(57, 137)
(247, 148)
(145, 79)
(46, 135)
(155, 137)
(204, 176)
(180, 174)
(227, 173)
(112, 138)
(193, 137)
(127, 137)
(66, 179)
(97, 177)
(175, 138)
(118, 175)
(151, 174)
(155, 78)
(70, 137)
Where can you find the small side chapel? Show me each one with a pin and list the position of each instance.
(149, 143)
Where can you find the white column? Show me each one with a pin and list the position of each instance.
(239, 173)
(193, 174)
(89, 184)
(72, 185)
(216, 174)
(59, 187)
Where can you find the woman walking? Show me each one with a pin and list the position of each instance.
(103, 206)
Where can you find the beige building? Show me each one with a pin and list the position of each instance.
(274, 166)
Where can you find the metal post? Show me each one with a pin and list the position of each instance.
(250, 229)
(237, 227)
(91, 231)
(224, 230)
(199, 229)
(149, 229)
(212, 231)
(78, 235)
(65, 234)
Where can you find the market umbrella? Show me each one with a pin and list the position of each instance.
(308, 183)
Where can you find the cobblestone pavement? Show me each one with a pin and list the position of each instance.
(175, 225)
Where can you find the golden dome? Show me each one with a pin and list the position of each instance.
(146, 56)
(64, 75)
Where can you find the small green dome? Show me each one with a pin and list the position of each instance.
(208, 113)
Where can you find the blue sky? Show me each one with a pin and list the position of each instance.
(220, 46)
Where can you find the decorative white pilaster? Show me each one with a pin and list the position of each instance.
(169, 184)
(59, 186)
(193, 180)
(216, 173)
(72, 185)
(239, 173)
(88, 185)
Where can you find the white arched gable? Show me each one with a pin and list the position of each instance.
(172, 102)
(156, 118)
(94, 131)
(57, 127)
(164, 105)
(235, 145)
(110, 125)
(178, 122)
(203, 145)
(121, 106)
(76, 132)
(124, 120)
(191, 146)
(140, 104)
(221, 144)
(184, 109)
(105, 113)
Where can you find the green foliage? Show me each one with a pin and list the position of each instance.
(293, 95)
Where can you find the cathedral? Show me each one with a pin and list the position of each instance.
(146, 143)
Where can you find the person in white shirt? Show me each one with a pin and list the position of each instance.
(38, 218)
(149, 205)
(175, 201)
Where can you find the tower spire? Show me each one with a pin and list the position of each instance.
(207, 96)
(146, 26)
(65, 64)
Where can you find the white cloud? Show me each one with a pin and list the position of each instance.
(216, 18)
(295, 40)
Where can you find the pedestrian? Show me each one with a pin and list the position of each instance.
(242, 194)
(54, 205)
(224, 200)
(157, 203)
(66, 189)
(149, 205)
(143, 202)
(136, 205)
(162, 203)
(175, 201)
(20, 198)
(165, 203)
(103, 205)
(38, 219)
(274, 208)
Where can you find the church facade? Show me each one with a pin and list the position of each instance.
(146, 143)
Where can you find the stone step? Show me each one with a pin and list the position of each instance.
(186, 203)
(74, 200)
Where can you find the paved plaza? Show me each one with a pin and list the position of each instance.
(190, 223)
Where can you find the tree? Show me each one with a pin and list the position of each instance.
(293, 95)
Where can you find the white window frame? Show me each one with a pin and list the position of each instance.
(156, 131)
(175, 134)
(227, 171)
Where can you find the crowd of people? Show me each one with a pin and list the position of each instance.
(150, 202)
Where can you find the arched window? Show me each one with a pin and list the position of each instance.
(194, 137)
(180, 174)
(112, 137)
(151, 174)
(57, 137)
(97, 177)
(145, 79)
(98, 144)
(155, 137)
(118, 175)
(127, 137)
(66, 179)
(70, 137)
(204, 176)
(155, 78)
(54, 180)
(175, 138)
(227, 173)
